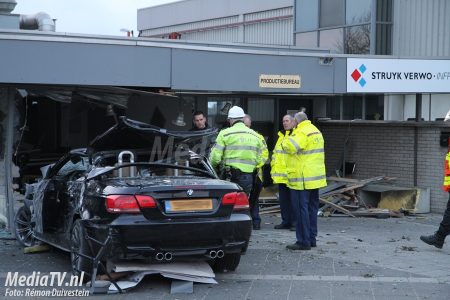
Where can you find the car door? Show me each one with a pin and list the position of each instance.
(54, 199)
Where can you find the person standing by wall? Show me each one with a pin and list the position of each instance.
(306, 174)
(238, 151)
(257, 180)
(437, 239)
(279, 176)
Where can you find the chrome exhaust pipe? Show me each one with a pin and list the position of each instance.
(168, 256)
(159, 256)
(212, 254)
(220, 254)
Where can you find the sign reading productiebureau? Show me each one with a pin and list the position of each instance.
(398, 76)
(279, 81)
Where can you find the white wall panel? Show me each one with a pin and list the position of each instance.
(421, 28)
(272, 27)
(189, 28)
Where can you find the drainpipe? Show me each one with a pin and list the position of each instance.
(9, 141)
(39, 21)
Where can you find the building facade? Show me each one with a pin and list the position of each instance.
(403, 28)
(346, 28)
(207, 76)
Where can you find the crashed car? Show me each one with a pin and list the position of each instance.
(137, 192)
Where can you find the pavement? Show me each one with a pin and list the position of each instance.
(355, 258)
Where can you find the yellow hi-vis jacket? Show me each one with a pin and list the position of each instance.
(278, 162)
(239, 147)
(306, 158)
(264, 156)
(446, 185)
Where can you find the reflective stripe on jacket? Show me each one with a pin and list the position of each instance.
(264, 156)
(305, 162)
(446, 185)
(239, 147)
(278, 163)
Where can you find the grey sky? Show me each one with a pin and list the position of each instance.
(89, 16)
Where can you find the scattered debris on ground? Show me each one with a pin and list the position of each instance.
(342, 197)
(408, 248)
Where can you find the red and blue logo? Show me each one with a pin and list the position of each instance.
(357, 75)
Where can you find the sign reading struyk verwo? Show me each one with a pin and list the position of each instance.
(397, 76)
(279, 81)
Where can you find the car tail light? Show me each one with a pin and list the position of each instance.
(146, 201)
(121, 204)
(128, 203)
(238, 200)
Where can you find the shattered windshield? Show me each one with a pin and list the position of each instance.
(81, 164)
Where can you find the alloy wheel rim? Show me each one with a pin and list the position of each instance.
(24, 229)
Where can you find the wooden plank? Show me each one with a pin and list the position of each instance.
(337, 207)
(355, 186)
(269, 208)
(342, 179)
(331, 187)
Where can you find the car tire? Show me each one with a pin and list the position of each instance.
(79, 244)
(23, 227)
(228, 263)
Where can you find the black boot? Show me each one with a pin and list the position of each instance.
(433, 240)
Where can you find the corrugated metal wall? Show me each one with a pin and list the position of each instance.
(202, 30)
(272, 27)
(421, 28)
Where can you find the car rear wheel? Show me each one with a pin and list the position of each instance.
(229, 262)
(79, 245)
(23, 227)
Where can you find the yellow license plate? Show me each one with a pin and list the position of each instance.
(189, 205)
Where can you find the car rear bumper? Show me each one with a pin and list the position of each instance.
(134, 236)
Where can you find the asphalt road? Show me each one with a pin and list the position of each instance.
(360, 258)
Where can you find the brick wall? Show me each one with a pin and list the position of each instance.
(388, 148)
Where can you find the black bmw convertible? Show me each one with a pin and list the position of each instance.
(137, 192)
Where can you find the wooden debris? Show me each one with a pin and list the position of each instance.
(337, 207)
(36, 248)
(340, 198)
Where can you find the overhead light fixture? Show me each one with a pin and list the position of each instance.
(111, 113)
(180, 120)
(22, 93)
(326, 61)
(224, 110)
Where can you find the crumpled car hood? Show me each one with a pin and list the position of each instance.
(128, 133)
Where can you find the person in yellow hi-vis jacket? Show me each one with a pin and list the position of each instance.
(305, 166)
(238, 151)
(257, 180)
(279, 176)
(437, 239)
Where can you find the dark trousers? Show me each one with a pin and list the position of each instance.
(444, 227)
(288, 215)
(254, 200)
(245, 181)
(306, 203)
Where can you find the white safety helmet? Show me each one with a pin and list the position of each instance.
(235, 113)
(447, 116)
